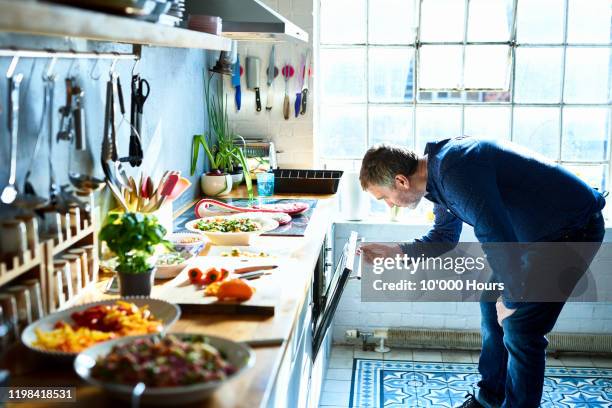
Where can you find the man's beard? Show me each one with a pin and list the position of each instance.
(413, 204)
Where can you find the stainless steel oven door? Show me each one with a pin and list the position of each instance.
(334, 292)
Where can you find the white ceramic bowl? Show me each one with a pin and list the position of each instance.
(234, 238)
(168, 313)
(170, 271)
(239, 355)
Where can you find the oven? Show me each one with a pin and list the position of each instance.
(328, 286)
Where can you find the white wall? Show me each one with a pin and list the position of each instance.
(293, 137)
(353, 314)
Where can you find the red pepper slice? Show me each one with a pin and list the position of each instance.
(195, 276)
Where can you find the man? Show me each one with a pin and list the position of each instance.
(507, 194)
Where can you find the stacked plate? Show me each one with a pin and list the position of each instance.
(206, 24)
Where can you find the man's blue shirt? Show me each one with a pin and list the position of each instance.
(507, 193)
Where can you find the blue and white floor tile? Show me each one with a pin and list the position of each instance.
(394, 384)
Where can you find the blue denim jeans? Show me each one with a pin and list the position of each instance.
(512, 360)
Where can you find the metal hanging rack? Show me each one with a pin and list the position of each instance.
(70, 54)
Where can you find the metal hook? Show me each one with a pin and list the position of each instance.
(12, 66)
(72, 63)
(112, 71)
(136, 64)
(48, 71)
(93, 69)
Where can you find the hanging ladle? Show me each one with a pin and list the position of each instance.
(10, 194)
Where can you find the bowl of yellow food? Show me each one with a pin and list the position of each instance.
(68, 332)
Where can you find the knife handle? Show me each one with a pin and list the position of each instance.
(286, 107)
(238, 97)
(298, 103)
(269, 99)
(304, 98)
(257, 100)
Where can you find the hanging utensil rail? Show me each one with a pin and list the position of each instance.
(70, 54)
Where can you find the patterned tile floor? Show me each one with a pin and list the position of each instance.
(424, 378)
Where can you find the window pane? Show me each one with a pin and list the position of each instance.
(343, 21)
(392, 21)
(440, 67)
(589, 21)
(343, 75)
(587, 75)
(343, 131)
(585, 134)
(487, 66)
(391, 74)
(538, 130)
(540, 21)
(487, 122)
(391, 124)
(595, 176)
(437, 123)
(442, 20)
(489, 20)
(538, 75)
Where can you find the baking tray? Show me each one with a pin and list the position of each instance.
(306, 181)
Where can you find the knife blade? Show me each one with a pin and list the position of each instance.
(236, 82)
(271, 75)
(298, 95)
(305, 83)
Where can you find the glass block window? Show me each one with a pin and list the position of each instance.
(537, 72)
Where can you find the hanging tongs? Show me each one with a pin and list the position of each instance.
(140, 92)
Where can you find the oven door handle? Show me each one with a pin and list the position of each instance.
(322, 324)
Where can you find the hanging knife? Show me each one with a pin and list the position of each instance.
(298, 95)
(305, 85)
(236, 82)
(272, 72)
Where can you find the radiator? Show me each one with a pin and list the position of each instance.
(471, 340)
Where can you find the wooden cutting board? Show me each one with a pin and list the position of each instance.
(191, 297)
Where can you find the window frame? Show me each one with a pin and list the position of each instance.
(354, 162)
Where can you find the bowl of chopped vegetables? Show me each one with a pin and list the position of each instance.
(176, 368)
(170, 264)
(234, 229)
(66, 333)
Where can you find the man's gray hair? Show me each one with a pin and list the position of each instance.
(383, 162)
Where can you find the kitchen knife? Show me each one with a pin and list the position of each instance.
(236, 82)
(252, 67)
(298, 95)
(305, 83)
(272, 72)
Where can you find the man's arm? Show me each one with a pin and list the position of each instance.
(446, 230)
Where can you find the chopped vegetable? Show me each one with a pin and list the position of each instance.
(96, 324)
(168, 362)
(236, 252)
(196, 276)
(220, 224)
(235, 289)
(171, 258)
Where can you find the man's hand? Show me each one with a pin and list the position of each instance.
(502, 311)
(372, 251)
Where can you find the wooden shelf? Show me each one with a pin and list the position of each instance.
(67, 243)
(60, 21)
(20, 265)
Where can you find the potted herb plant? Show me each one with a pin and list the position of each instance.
(132, 237)
(223, 154)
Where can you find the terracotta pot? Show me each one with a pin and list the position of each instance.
(136, 284)
(215, 185)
